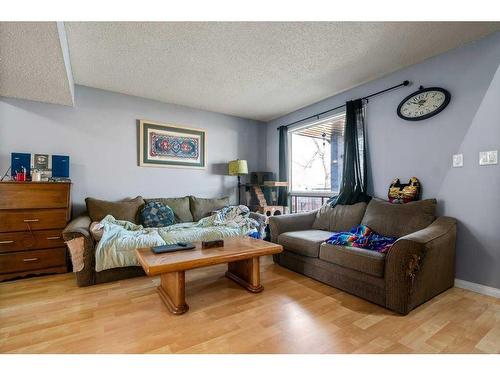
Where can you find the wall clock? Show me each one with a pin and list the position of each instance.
(423, 103)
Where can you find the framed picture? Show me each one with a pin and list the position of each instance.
(166, 145)
(40, 161)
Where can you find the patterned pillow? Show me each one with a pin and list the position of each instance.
(404, 193)
(156, 214)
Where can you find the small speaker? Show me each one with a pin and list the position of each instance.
(60, 166)
(19, 160)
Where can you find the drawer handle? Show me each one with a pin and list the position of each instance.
(30, 259)
(54, 238)
(5, 242)
(31, 220)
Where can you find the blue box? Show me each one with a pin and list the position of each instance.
(60, 166)
(19, 160)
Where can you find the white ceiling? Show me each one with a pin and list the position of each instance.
(258, 70)
(32, 63)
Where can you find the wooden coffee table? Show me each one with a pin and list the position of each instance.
(240, 253)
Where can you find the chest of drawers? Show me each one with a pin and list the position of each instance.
(32, 217)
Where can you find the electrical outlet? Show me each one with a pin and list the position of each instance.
(488, 157)
(458, 160)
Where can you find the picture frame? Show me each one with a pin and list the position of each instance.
(170, 145)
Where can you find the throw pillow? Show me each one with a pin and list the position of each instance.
(122, 210)
(404, 193)
(156, 214)
(203, 207)
(180, 206)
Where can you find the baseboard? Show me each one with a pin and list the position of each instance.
(478, 288)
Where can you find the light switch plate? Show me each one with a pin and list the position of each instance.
(458, 160)
(488, 157)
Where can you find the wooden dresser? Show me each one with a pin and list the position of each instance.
(32, 217)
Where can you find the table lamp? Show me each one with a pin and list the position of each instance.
(237, 168)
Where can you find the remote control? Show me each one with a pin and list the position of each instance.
(171, 248)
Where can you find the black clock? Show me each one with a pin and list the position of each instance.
(423, 103)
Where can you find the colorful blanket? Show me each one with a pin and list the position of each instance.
(363, 237)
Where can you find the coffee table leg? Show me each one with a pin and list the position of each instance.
(246, 273)
(172, 292)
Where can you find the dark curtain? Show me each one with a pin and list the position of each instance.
(283, 165)
(353, 188)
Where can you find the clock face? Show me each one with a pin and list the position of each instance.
(423, 104)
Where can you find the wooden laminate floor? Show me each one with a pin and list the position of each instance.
(294, 314)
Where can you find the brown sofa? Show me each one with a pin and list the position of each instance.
(186, 209)
(420, 264)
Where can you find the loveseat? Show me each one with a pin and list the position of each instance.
(417, 267)
(185, 209)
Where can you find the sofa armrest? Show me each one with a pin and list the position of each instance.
(289, 223)
(80, 227)
(420, 265)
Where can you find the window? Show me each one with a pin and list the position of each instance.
(316, 154)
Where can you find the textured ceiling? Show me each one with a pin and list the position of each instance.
(258, 70)
(255, 70)
(32, 64)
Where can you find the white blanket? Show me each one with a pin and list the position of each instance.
(121, 238)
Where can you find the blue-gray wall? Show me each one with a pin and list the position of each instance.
(398, 148)
(100, 135)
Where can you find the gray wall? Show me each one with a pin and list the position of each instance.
(99, 134)
(471, 123)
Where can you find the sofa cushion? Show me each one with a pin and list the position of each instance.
(304, 242)
(398, 220)
(362, 260)
(203, 207)
(127, 209)
(339, 218)
(180, 206)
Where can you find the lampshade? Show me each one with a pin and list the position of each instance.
(237, 167)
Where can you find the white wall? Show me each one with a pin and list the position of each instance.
(398, 148)
(100, 136)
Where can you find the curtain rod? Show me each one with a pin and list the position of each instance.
(405, 83)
